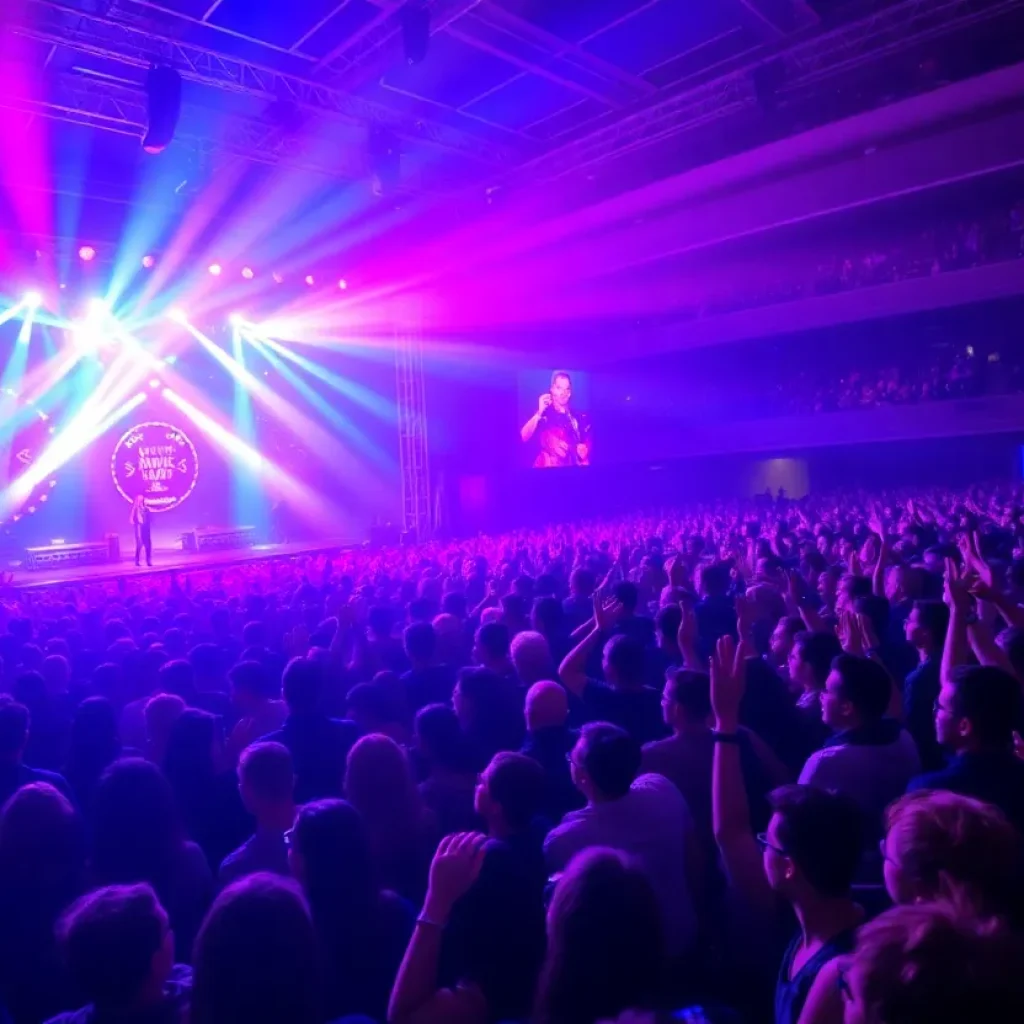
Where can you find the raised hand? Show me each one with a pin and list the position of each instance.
(454, 869)
(851, 638)
(954, 591)
(606, 611)
(543, 403)
(728, 683)
(686, 636)
(970, 548)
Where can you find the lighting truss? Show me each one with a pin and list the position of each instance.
(413, 450)
(885, 32)
(137, 45)
(116, 108)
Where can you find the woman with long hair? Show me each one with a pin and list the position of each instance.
(42, 859)
(606, 950)
(207, 794)
(449, 786)
(137, 837)
(362, 930)
(402, 834)
(256, 957)
(95, 744)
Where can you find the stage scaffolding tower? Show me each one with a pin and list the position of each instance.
(413, 451)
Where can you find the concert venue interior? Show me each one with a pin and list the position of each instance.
(300, 274)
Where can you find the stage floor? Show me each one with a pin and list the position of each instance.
(168, 560)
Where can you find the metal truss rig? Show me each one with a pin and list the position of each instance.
(413, 451)
(120, 109)
(883, 33)
(137, 45)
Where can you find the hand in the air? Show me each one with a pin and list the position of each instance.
(542, 403)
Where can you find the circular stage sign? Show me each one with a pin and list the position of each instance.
(158, 461)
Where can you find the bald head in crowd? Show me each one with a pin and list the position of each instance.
(531, 657)
(547, 706)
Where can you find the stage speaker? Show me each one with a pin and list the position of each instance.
(415, 19)
(163, 93)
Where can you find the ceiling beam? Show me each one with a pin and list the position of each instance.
(780, 17)
(139, 46)
(491, 29)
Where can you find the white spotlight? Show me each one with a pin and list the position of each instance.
(33, 300)
(98, 309)
(235, 319)
(178, 315)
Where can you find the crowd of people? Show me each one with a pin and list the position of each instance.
(958, 244)
(734, 762)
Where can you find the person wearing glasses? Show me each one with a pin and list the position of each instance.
(806, 860)
(976, 712)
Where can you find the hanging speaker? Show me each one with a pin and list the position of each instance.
(163, 92)
(415, 18)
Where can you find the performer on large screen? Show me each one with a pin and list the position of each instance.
(141, 519)
(563, 436)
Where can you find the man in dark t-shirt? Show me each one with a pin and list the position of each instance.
(622, 699)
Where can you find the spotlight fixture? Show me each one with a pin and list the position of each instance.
(33, 300)
(149, 262)
(235, 319)
(154, 383)
(215, 269)
(247, 273)
(310, 280)
(343, 284)
(178, 315)
(87, 254)
(163, 93)
(98, 309)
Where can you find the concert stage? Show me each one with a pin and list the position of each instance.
(166, 559)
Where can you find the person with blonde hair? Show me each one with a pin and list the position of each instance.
(531, 657)
(932, 963)
(940, 844)
(402, 833)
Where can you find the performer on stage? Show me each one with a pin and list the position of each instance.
(141, 518)
(563, 435)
